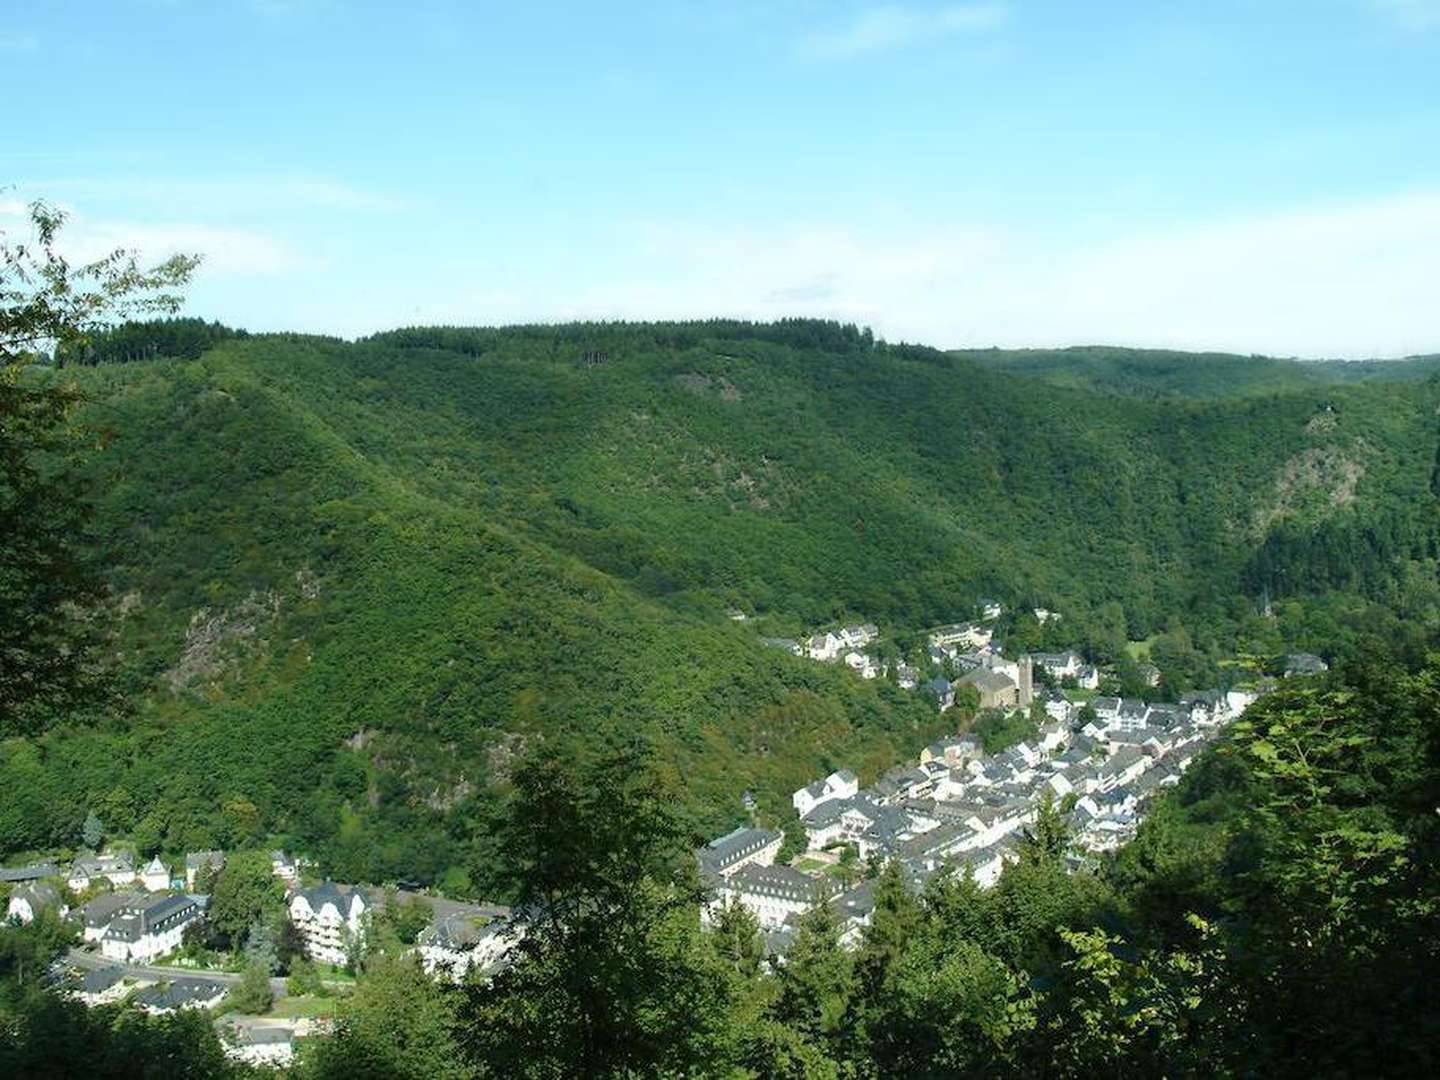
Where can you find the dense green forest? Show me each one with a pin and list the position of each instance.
(351, 584)
(1156, 373)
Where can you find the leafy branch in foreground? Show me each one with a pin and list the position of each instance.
(47, 574)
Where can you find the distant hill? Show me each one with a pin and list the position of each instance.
(354, 580)
(1160, 373)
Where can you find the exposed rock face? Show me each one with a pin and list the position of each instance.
(1327, 474)
(216, 641)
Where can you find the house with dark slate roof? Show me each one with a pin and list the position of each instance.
(148, 928)
(1124, 766)
(96, 916)
(184, 993)
(330, 919)
(14, 875)
(726, 854)
(773, 893)
(88, 870)
(840, 784)
(98, 987)
(462, 937)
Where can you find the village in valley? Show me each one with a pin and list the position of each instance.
(1096, 760)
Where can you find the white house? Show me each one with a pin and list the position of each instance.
(824, 824)
(1054, 735)
(148, 928)
(330, 918)
(1130, 716)
(833, 644)
(986, 864)
(1059, 784)
(826, 647)
(284, 867)
(96, 916)
(841, 784)
(1106, 709)
(857, 637)
(863, 663)
(967, 635)
(771, 893)
(261, 1044)
(1064, 665)
(454, 944)
(89, 870)
(28, 901)
(155, 876)
(100, 987)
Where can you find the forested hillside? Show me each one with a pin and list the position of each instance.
(1155, 373)
(353, 581)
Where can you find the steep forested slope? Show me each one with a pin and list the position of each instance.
(352, 581)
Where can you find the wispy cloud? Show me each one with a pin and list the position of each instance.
(18, 43)
(226, 249)
(1411, 14)
(889, 26)
(1341, 280)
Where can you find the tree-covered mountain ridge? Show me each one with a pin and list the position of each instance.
(353, 581)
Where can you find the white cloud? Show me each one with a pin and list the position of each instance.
(226, 250)
(889, 26)
(1349, 280)
(1412, 14)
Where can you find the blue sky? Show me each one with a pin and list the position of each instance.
(1256, 176)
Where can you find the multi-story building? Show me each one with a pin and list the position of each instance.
(330, 918)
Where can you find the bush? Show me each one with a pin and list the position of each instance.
(252, 994)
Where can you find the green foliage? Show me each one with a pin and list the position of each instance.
(450, 605)
(399, 1024)
(613, 976)
(252, 994)
(132, 341)
(92, 832)
(26, 952)
(50, 1036)
(246, 893)
(1151, 373)
(260, 949)
(443, 546)
(48, 576)
(304, 979)
(999, 729)
(406, 918)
